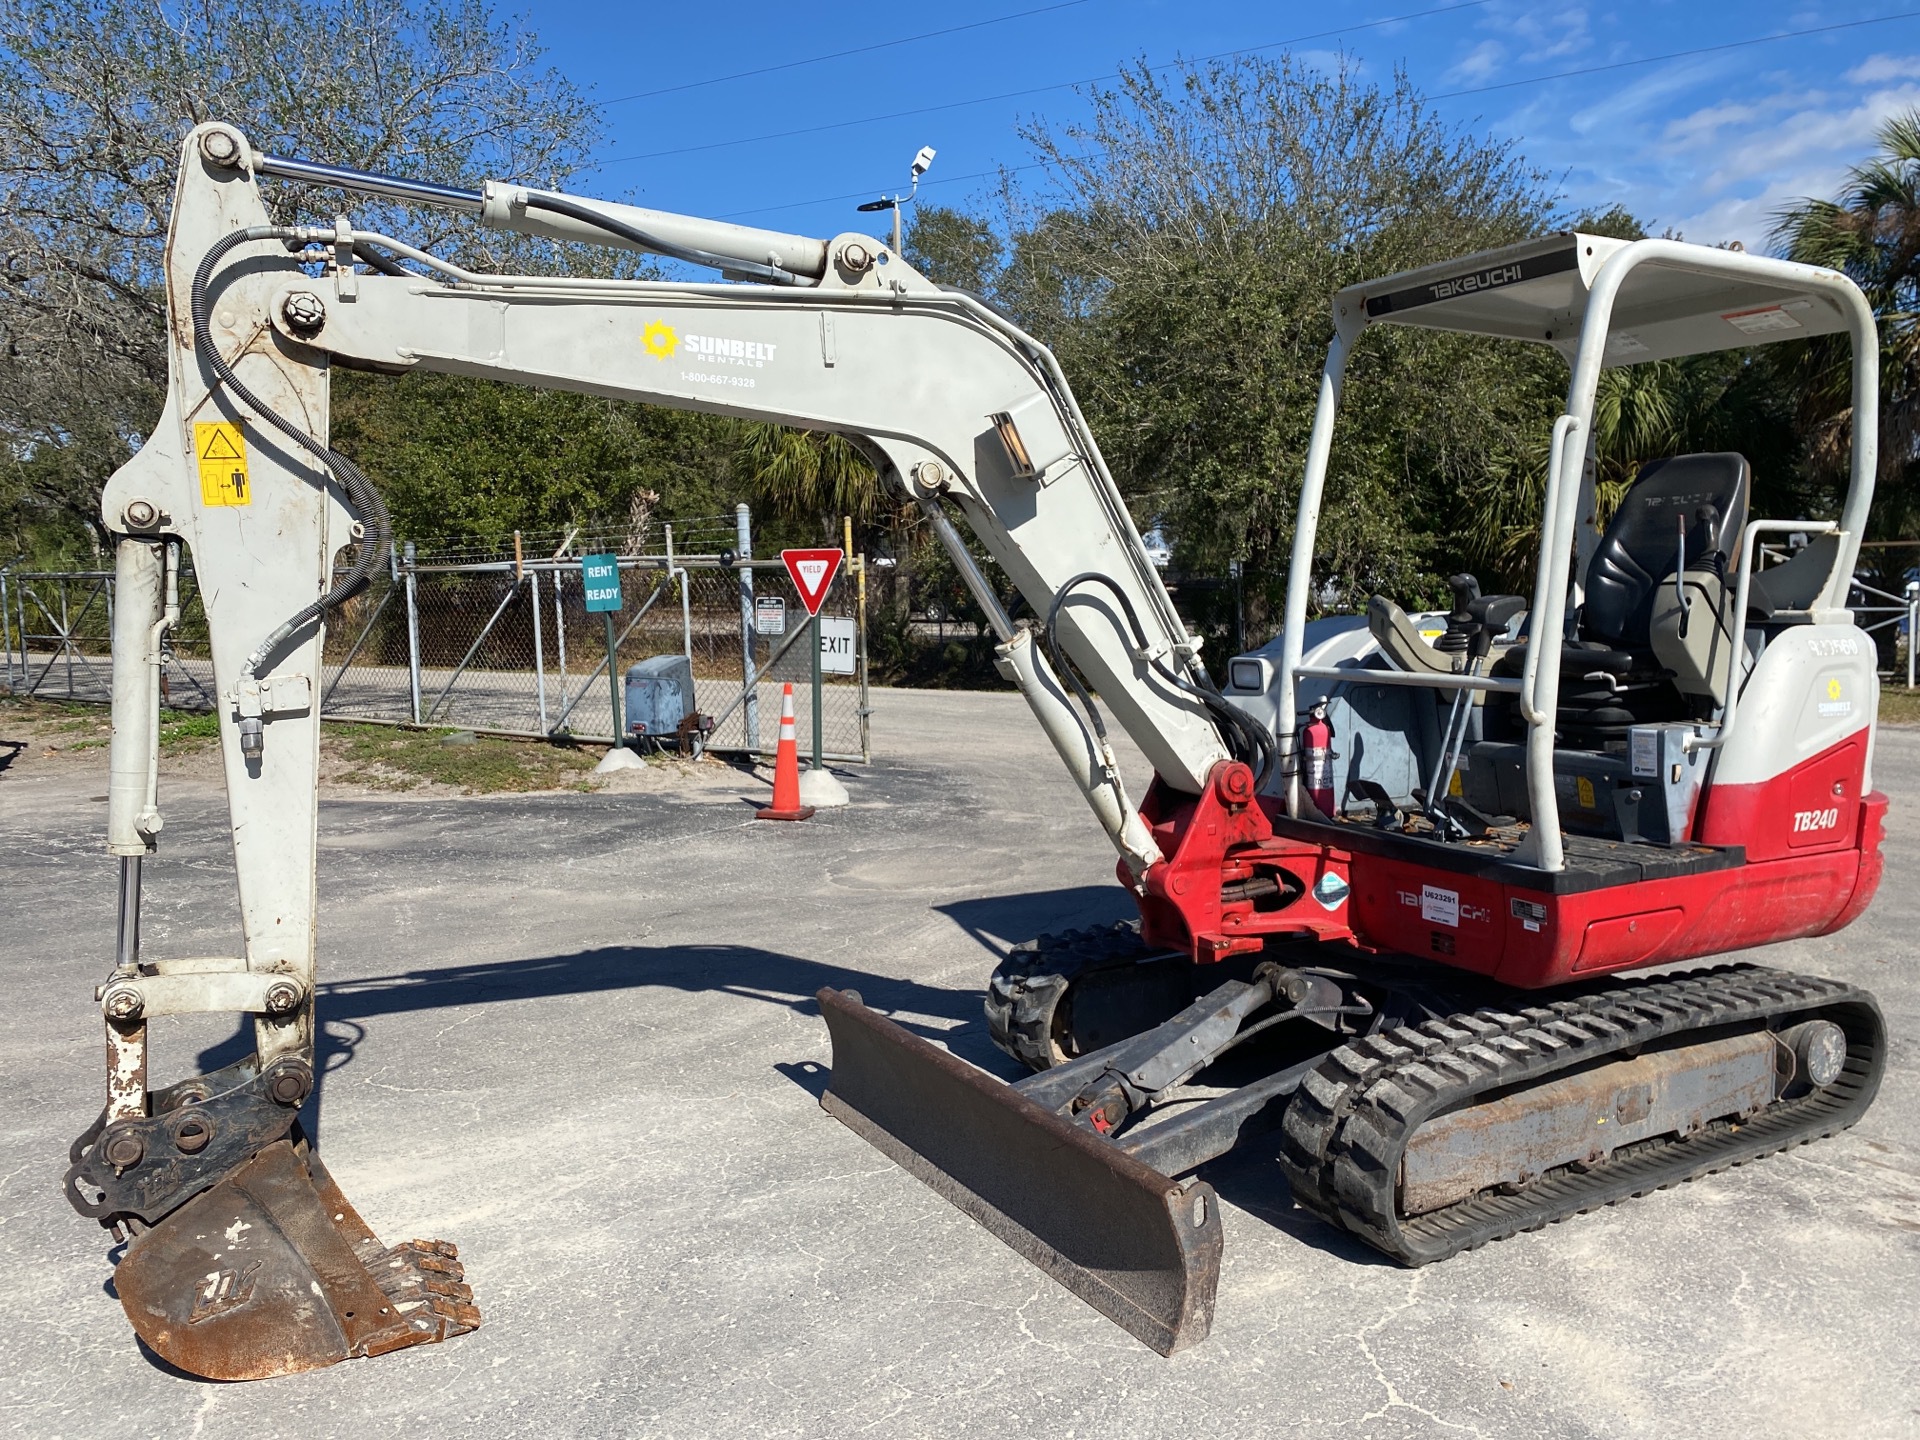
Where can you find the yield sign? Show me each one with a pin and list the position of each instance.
(812, 572)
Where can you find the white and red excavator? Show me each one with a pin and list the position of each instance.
(1385, 878)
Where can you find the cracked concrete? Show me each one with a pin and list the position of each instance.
(574, 1034)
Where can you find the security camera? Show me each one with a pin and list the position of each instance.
(923, 161)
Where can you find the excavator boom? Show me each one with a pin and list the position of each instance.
(958, 408)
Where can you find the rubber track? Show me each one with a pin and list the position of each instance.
(1347, 1127)
(1026, 988)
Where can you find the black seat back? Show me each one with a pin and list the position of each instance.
(1641, 546)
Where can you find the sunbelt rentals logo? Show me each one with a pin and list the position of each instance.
(660, 340)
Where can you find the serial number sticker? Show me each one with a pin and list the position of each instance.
(1440, 907)
(1530, 914)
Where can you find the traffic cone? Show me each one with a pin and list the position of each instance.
(786, 770)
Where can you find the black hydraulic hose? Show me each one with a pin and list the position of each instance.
(633, 234)
(376, 529)
(1256, 748)
(373, 258)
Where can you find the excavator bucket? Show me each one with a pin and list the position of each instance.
(1142, 1249)
(271, 1272)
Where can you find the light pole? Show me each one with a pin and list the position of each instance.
(921, 163)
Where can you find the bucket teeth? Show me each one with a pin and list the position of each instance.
(425, 1280)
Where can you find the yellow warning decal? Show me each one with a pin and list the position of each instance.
(1585, 788)
(222, 451)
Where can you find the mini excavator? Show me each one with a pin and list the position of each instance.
(1385, 874)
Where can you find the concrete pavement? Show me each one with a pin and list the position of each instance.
(574, 1034)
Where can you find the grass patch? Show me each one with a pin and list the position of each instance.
(390, 759)
(1899, 705)
(182, 730)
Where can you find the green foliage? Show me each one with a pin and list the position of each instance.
(479, 459)
(952, 248)
(95, 96)
(1181, 265)
(1870, 232)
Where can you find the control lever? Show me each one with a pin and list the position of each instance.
(1680, 578)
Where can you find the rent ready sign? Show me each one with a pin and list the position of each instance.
(601, 576)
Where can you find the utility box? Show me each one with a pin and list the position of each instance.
(659, 698)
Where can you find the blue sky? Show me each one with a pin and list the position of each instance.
(1708, 144)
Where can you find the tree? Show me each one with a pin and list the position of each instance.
(97, 95)
(1870, 232)
(465, 459)
(952, 248)
(1180, 258)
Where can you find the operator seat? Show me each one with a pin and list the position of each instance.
(1610, 676)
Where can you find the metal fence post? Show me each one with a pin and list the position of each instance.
(413, 634)
(1913, 625)
(539, 654)
(749, 683)
(6, 628)
(686, 598)
(860, 636)
(560, 634)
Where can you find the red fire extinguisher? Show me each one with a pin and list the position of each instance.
(1317, 757)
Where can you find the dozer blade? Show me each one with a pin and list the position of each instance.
(271, 1272)
(1142, 1249)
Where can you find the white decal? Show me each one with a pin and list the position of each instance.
(1841, 644)
(1766, 319)
(700, 377)
(1805, 820)
(1484, 280)
(1442, 907)
(718, 350)
(1646, 753)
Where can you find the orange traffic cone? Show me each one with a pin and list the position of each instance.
(786, 770)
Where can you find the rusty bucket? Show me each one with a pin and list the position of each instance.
(271, 1272)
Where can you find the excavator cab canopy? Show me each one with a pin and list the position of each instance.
(1600, 302)
(1539, 290)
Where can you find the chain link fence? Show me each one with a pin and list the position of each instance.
(506, 645)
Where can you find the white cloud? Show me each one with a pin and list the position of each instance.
(1477, 64)
(1704, 126)
(1608, 120)
(1811, 132)
(1550, 31)
(1878, 69)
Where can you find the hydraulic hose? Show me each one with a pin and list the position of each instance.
(376, 529)
(1256, 748)
(633, 234)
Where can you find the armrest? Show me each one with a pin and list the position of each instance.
(1496, 612)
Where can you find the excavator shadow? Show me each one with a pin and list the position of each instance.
(952, 1018)
(999, 922)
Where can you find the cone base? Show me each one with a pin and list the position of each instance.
(803, 812)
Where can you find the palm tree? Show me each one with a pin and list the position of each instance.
(806, 475)
(1871, 233)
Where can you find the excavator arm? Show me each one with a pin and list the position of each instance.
(233, 1226)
